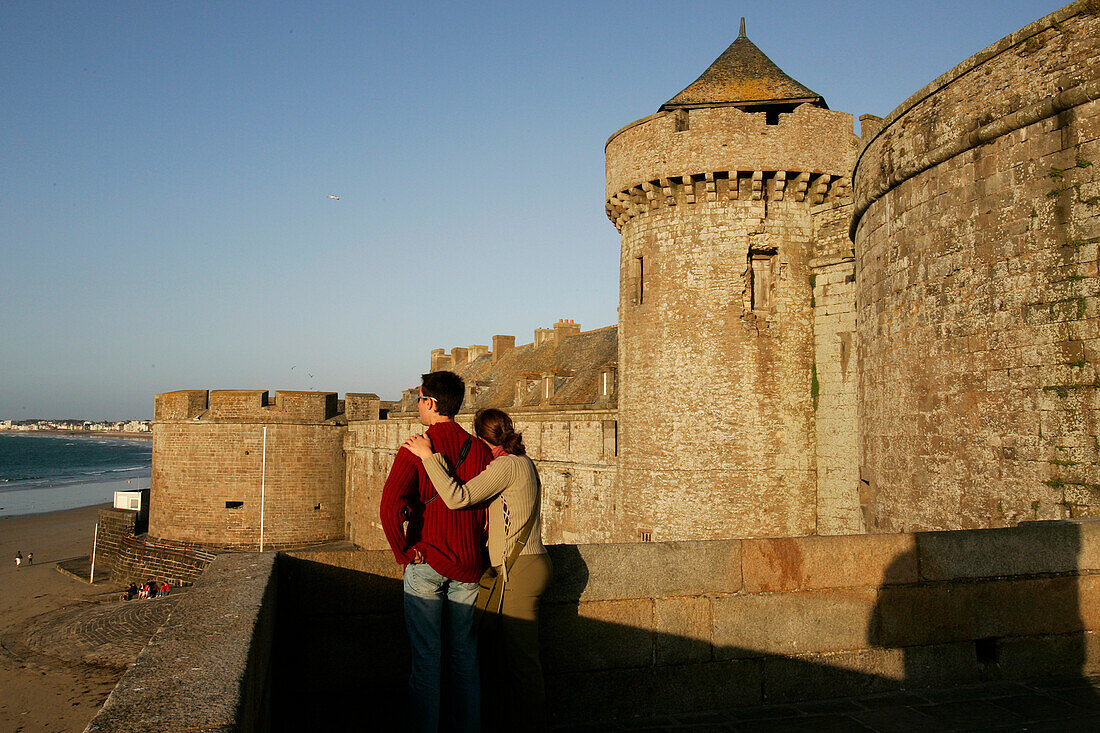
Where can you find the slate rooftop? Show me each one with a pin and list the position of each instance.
(743, 77)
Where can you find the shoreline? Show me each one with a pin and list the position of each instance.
(83, 433)
(36, 501)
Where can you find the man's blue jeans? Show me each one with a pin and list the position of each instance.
(439, 615)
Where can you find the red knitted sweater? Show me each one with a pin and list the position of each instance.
(453, 542)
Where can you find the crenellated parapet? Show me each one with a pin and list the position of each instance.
(247, 406)
(722, 153)
(811, 187)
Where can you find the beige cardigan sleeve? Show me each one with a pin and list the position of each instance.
(496, 477)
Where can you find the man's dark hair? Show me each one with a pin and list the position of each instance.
(447, 388)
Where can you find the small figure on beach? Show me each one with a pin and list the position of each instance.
(144, 592)
(153, 587)
(130, 593)
(18, 558)
(164, 588)
(30, 558)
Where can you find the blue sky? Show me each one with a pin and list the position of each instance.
(165, 220)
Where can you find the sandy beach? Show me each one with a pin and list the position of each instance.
(45, 684)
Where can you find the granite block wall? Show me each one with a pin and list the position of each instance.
(977, 226)
(212, 474)
(575, 454)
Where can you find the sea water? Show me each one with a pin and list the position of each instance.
(45, 472)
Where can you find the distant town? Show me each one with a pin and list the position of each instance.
(78, 426)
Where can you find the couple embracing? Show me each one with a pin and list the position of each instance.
(444, 489)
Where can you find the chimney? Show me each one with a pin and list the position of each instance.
(564, 328)
(460, 356)
(542, 335)
(441, 361)
(477, 351)
(502, 345)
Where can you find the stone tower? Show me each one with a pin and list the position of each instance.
(720, 198)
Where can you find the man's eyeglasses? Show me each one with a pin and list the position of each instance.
(425, 397)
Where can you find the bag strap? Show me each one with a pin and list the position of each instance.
(461, 457)
(525, 532)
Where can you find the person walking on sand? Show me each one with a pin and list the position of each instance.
(441, 550)
(18, 558)
(30, 558)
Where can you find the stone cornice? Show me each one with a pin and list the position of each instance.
(812, 188)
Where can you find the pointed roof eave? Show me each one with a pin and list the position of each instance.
(743, 76)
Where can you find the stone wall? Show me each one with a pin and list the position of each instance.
(114, 526)
(212, 475)
(133, 556)
(575, 453)
(716, 322)
(977, 226)
(687, 626)
(669, 627)
(209, 667)
(141, 558)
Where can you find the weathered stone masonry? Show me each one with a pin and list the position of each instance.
(719, 208)
(209, 468)
(976, 226)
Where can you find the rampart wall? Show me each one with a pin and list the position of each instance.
(575, 453)
(213, 474)
(670, 627)
(112, 528)
(977, 225)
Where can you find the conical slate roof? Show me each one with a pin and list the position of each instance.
(743, 76)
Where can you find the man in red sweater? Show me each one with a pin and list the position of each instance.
(442, 551)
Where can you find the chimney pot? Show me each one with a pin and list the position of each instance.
(502, 345)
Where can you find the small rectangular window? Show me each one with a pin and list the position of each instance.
(762, 268)
(646, 535)
(640, 274)
(234, 504)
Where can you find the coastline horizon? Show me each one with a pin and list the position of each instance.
(44, 471)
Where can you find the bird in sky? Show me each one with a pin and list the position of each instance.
(334, 197)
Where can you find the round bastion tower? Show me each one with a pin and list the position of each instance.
(715, 196)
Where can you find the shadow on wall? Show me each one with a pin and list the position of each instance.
(625, 636)
(1012, 603)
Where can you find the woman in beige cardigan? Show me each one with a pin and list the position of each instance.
(511, 484)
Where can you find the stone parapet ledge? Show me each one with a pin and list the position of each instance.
(673, 627)
(208, 667)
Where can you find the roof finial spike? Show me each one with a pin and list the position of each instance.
(742, 34)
